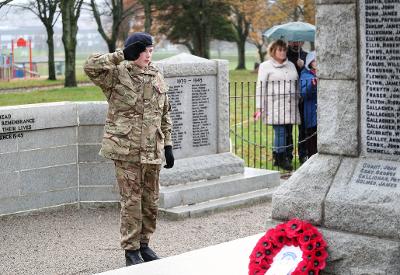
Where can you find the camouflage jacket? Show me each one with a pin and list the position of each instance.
(138, 123)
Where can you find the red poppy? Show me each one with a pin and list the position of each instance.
(305, 238)
(319, 242)
(290, 241)
(295, 242)
(270, 253)
(256, 255)
(293, 227)
(279, 238)
(303, 267)
(319, 264)
(308, 256)
(320, 254)
(256, 270)
(265, 244)
(281, 227)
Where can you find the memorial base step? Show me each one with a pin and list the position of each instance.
(201, 191)
(202, 168)
(212, 206)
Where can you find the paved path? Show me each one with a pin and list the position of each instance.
(41, 88)
(86, 241)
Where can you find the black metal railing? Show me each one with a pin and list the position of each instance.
(253, 137)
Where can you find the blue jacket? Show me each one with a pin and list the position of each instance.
(309, 93)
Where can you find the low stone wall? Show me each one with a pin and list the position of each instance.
(49, 156)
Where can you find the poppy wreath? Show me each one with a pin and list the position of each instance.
(294, 232)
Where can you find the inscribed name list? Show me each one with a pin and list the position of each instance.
(380, 44)
(193, 113)
(383, 175)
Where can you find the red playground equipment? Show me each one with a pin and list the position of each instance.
(9, 68)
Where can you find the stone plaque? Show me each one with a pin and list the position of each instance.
(193, 103)
(384, 175)
(380, 77)
(12, 128)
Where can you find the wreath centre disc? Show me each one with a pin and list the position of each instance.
(286, 261)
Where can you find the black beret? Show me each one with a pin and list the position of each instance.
(143, 37)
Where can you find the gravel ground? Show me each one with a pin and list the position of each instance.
(86, 241)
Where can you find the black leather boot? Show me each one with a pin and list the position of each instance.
(147, 253)
(283, 162)
(132, 257)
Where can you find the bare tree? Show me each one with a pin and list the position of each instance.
(70, 10)
(118, 12)
(148, 18)
(4, 2)
(46, 11)
(242, 27)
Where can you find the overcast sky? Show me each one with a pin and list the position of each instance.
(11, 17)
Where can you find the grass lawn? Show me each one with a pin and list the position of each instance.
(88, 93)
(41, 82)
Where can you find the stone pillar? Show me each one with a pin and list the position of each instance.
(351, 188)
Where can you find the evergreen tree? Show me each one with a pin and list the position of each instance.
(194, 23)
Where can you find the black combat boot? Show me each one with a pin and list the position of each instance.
(132, 257)
(283, 162)
(147, 253)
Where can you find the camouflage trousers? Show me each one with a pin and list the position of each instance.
(139, 189)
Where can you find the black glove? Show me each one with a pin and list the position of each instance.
(169, 157)
(132, 51)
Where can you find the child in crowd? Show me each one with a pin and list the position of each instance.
(308, 90)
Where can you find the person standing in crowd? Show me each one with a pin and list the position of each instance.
(277, 99)
(297, 56)
(308, 84)
(137, 130)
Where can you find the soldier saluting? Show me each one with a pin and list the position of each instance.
(137, 130)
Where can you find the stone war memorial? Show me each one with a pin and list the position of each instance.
(49, 152)
(351, 189)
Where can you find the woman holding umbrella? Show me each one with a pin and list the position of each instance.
(296, 33)
(277, 98)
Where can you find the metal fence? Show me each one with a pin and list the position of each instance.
(253, 138)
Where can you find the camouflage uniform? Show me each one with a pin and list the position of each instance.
(138, 126)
